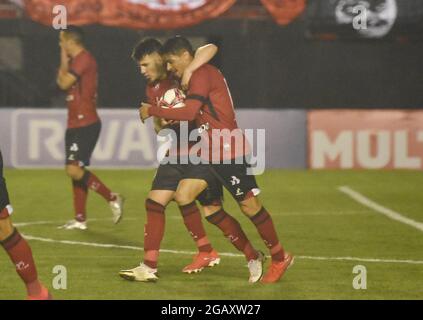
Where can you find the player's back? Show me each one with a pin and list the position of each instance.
(220, 112)
(82, 96)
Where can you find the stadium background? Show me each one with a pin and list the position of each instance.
(295, 73)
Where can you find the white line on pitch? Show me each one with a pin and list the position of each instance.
(106, 245)
(109, 245)
(391, 214)
(33, 223)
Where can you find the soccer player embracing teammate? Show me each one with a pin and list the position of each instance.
(209, 103)
(171, 177)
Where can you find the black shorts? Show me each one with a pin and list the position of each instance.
(4, 196)
(169, 175)
(80, 143)
(235, 179)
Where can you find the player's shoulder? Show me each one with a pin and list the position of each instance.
(87, 56)
(206, 70)
(158, 88)
(161, 84)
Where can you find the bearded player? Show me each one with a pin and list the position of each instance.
(78, 77)
(209, 103)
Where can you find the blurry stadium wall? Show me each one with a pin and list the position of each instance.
(266, 65)
(276, 74)
(35, 138)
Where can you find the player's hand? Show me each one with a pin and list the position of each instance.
(143, 111)
(164, 122)
(186, 77)
(64, 58)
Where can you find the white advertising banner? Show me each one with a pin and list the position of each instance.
(34, 138)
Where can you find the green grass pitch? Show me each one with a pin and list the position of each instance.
(315, 221)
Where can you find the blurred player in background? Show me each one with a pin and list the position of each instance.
(168, 176)
(17, 248)
(77, 75)
(209, 102)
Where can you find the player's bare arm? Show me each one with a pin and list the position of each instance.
(202, 56)
(143, 111)
(65, 79)
(158, 125)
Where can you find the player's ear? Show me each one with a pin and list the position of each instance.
(186, 55)
(160, 58)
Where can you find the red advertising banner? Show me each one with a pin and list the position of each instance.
(7, 10)
(161, 14)
(285, 11)
(365, 139)
(139, 14)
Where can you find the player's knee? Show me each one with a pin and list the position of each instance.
(6, 228)
(162, 197)
(250, 206)
(155, 201)
(74, 172)
(183, 198)
(248, 211)
(210, 210)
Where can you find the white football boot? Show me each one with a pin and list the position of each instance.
(117, 207)
(256, 268)
(141, 273)
(74, 224)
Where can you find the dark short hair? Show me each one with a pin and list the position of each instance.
(146, 46)
(176, 45)
(76, 33)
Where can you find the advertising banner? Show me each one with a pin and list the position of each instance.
(136, 14)
(358, 139)
(34, 138)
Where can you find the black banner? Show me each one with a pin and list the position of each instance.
(365, 19)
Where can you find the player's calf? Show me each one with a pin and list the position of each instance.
(6, 227)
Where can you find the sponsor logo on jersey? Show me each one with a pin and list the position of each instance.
(239, 192)
(235, 180)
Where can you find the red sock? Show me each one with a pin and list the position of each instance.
(95, 184)
(20, 253)
(233, 231)
(264, 224)
(192, 220)
(153, 232)
(80, 193)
